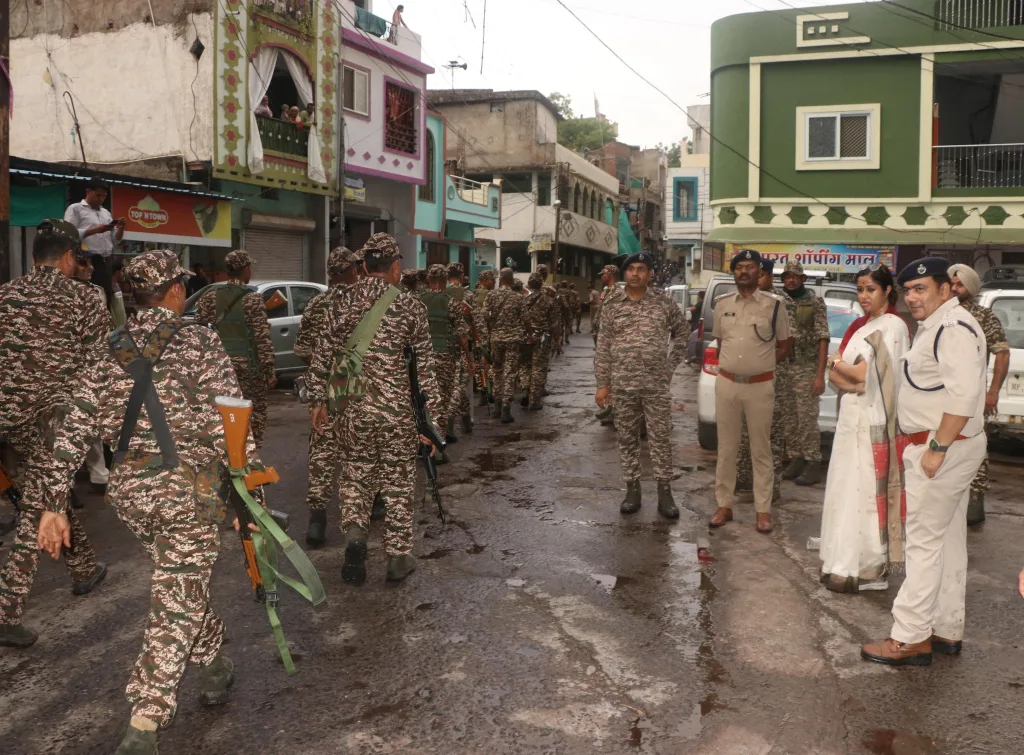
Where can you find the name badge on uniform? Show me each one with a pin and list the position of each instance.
(728, 314)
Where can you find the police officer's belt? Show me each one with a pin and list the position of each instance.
(919, 439)
(764, 377)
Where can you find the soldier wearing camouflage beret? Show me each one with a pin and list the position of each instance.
(53, 330)
(238, 314)
(503, 311)
(173, 505)
(449, 337)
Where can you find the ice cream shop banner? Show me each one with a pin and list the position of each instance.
(833, 258)
(162, 216)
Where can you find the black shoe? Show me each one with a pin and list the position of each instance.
(87, 586)
(525, 401)
(137, 742)
(975, 509)
(76, 502)
(793, 469)
(449, 435)
(379, 510)
(496, 410)
(449, 438)
(506, 414)
(400, 567)
(666, 505)
(215, 680)
(98, 488)
(604, 413)
(316, 532)
(946, 647)
(467, 425)
(353, 570)
(17, 636)
(811, 474)
(631, 504)
(484, 401)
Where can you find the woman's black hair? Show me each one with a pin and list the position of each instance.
(881, 275)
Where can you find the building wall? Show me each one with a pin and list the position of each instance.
(430, 214)
(132, 88)
(730, 123)
(522, 134)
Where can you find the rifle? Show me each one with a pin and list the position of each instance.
(11, 492)
(262, 530)
(424, 427)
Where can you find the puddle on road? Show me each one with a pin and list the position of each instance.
(610, 582)
(495, 461)
(472, 550)
(889, 742)
(528, 435)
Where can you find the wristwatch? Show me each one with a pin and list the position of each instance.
(933, 445)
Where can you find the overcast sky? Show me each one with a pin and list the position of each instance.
(537, 44)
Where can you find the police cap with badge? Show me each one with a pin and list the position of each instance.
(745, 255)
(923, 268)
(639, 258)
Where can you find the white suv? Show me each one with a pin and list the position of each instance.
(1008, 306)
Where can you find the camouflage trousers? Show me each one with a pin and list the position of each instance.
(535, 359)
(567, 326)
(324, 457)
(800, 407)
(505, 361)
(19, 571)
(174, 513)
(744, 462)
(460, 398)
(631, 410)
(254, 387)
(980, 482)
(378, 455)
(578, 317)
(446, 367)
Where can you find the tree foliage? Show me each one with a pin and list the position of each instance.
(562, 103)
(581, 133)
(672, 152)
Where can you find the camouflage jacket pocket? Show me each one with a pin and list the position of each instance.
(211, 493)
(345, 381)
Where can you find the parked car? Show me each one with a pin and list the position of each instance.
(841, 304)
(1008, 306)
(284, 318)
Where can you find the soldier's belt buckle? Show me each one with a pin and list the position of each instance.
(271, 597)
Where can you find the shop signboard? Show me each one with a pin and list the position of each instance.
(171, 218)
(831, 258)
(540, 242)
(355, 189)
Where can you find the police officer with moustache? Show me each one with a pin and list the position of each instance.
(941, 407)
(753, 334)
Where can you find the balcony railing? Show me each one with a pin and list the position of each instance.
(283, 136)
(979, 166)
(978, 14)
(295, 10)
(470, 191)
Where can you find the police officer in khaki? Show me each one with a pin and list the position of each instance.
(752, 328)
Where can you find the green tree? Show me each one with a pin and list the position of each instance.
(586, 133)
(673, 153)
(562, 103)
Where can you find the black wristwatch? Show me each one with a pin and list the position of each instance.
(933, 445)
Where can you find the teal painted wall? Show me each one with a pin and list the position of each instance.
(893, 82)
(292, 204)
(730, 104)
(429, 215)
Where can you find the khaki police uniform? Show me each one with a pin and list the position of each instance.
(948, 377)
(745, 389)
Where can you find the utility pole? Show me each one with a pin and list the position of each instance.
(5, 143)
(558, 229)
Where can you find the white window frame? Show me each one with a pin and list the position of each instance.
(873, 159)
(357, 72)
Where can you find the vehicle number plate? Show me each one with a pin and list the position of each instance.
(1015, 384)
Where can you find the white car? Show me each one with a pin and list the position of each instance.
(841, 312)
(1008, 306)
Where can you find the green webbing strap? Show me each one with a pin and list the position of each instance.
(264, 541)
(361, 338)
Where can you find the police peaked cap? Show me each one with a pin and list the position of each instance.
(767, 265)
(923, 268)
(745, 255)
(641, 258)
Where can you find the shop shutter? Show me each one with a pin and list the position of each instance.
(276, 254)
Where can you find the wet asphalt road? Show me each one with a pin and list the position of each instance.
(540, 621)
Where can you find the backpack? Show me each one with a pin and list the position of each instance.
(345, 380)
(438, 319)
(231, 325)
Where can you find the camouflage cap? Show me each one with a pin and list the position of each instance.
(61, 229)
(381, 247)
(409, 275)
(610, 270)
(341, 259)
(237, 260)
(456, 270)
(437, 273)
(535, 277)
(421, 275)
(487, 275)
(517, 285)
(506, 274)
(150, 270)
(793, 267)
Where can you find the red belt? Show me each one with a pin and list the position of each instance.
(919, 439)
(764, 377)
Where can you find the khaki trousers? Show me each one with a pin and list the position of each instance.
(931, 599)
(733, 403)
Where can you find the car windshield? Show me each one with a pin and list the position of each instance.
(1010, 312)
(839, 319)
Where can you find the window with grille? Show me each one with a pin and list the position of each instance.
(400, 119)
(356, 90)
(832, 138)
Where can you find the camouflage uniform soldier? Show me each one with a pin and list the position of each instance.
(565, 300)
(239, 316)
(409, 282)
(805, 376)
(575, 306)
(174, 511)
(378, 431)
(458, 290)
(966, 285)
(324, 452)
(449, 335)
(53, 329)
(543, 327)
(484, 285)
(503, 310)
(634, 370)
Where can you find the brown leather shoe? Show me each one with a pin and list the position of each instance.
(894, 653)
(946, 647)
(764, 523)
(721, 517)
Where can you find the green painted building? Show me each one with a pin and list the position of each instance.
(883, 129)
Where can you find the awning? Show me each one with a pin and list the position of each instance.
(31, 205)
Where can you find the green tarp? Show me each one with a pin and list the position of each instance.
(31, 205)
(628, 242)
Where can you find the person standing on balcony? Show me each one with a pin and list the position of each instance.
(396, 21)
(263, 108)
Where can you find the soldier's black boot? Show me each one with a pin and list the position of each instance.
(496, 410)
(811, 474)
(604, 413)
(215, 680)
(400, 567)
(976, 508)
(793, 469)
(17, 636)
(316, 532)
(379, 510)
(88, 585)
(467, 424)
(76, 502)
(449, 434)
(483, 399)
(137, 742)
(666, 505)
(353, 570)
(506, 414)
(631, 504)
(525, 400)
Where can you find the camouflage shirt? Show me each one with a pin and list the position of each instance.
(608, 293)
(384, 369)
(808, 323)
(572, 299)
(314, 320)
(632, 345)
(255, 318)
(995, 336)
(503, 311)
(193, 370)
(540, 316)
(53, 327)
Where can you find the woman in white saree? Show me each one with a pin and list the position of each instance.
(862, 525)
